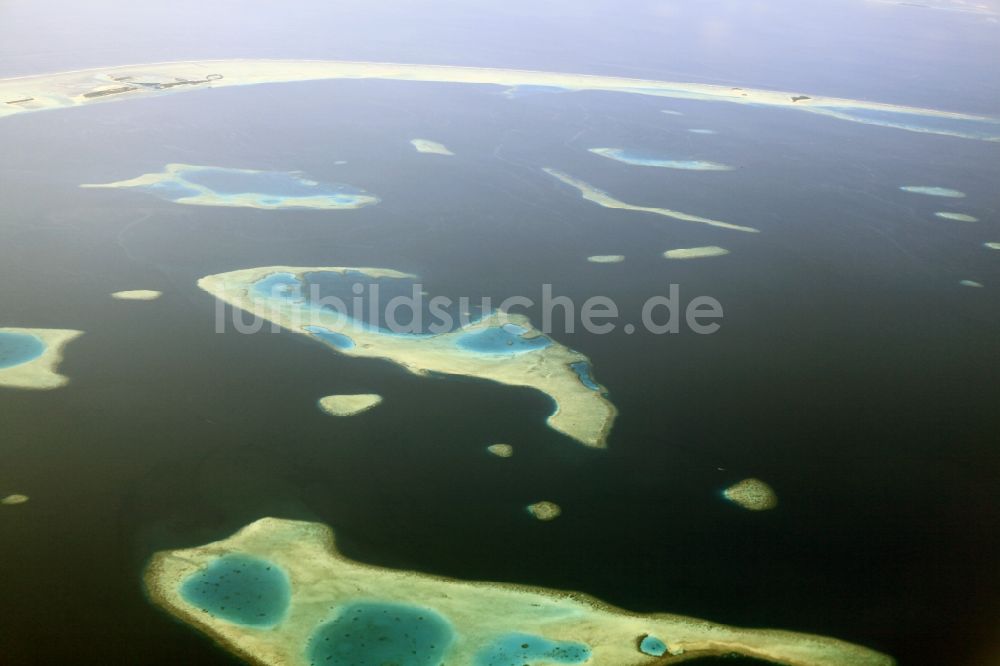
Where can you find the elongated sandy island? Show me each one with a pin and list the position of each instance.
(602, 198)
(198, 185)
(104, 84)
(279, 592)
(500, 347)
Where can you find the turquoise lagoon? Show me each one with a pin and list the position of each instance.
(519, 649)
(241, 589)
(652, 646)
(249, 188)
(19, 348)
(375, 634)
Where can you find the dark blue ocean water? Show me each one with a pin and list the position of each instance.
(851, 371)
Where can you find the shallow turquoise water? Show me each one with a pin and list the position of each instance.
(278, 285)
(583, 371)
(278, 184)
(376, 634)
(18, 348)
(652, 645)
(518, 649)
(506, 339)
(240, 589)
(172, 189)
(979, 128)
(338, 340)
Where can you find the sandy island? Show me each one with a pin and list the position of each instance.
(602, 198)
(38, 372)
(349, 405)
(523, 357)
(25, 94)
(320, 603)
(430, 147)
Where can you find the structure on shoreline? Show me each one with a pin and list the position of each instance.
(39, 92)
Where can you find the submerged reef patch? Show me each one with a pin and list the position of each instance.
(344, 613)
(72, 89)
(349, 405)
(638, 159)
(137, 295)
(933, 191)
(498, 346)
(241, 589)
(702, 131)
(244, 188)
(430, 147)
(29, 357)
(696, 252)
(752, 494)
(601, 198)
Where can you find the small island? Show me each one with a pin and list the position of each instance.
(279, 593)
(956, 217)
(544, 510)
(430, 147)
(751, 494)
(137, 295)
(696, 252)
(606, 258)
(992, 245)
(639, 159)
(196, 185)
(13, 500)
(349, 405)
(932, 191)
(501, 450)
(29, 357)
